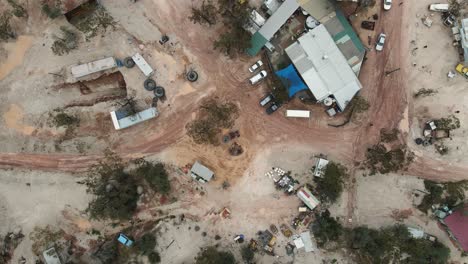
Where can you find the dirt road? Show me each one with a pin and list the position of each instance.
(387, 95)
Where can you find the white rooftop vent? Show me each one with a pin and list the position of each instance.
(325, 57)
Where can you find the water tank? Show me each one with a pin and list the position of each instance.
(328, 101)
(311, 22)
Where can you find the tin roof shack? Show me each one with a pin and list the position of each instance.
(122, 119)
(286, 183)
(308, 198)
(51, 257)
(85, 69)
(271, 26)
(464, 38)
(201, 173)
(324, 68)
(320, 167)
(456, 226)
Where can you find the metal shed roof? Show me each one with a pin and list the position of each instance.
(308, 198)
(464, 37)
(323, 67)
(274, 23)
(202, 171)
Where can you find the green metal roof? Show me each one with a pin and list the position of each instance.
(348, 31)
(256, 43)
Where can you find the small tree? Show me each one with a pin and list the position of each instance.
(211, 255)
(65, 43)
(330, 186)
(233, 41)
(146, 244)
(326, 228)
(6, 32)
(205, 14)
(214, 115)
(51, 8)
(236, 15)
(18, 10)
(154, 257)
(115, 190)
(247, 254)
(155, 175)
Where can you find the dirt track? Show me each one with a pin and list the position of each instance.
(387, 96)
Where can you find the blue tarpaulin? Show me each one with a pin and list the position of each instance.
(291, 80)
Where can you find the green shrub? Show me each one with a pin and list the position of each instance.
(211, 255)
(146, 244)
(330, 186)
(155, 175)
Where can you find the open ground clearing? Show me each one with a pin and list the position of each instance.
(31, 89)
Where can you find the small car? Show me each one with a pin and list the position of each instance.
(380, 42)
(461, 69)
(255, 66)
(258, 77)
(265, 100)
(123, 239)
(387, 4)
(273, 107)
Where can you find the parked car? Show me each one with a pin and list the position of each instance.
(380, 42)
(255, 66)
(449, 19)
(272, 108)
(258, 77)
(461, 69)
(123, 239)
(265, 100)
(387, 4)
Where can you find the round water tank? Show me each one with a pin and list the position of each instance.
(328, 101)
(311, 23)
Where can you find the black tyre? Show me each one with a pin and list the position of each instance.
(149, 84)
(192, 76)
(154, 103)
(159, 91)
(129, 62)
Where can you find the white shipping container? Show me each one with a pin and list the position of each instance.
(142, 64)
(298, 113)
(82, 70)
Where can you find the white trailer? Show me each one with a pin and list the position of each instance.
(439, 7)
(298, 113)
(142, 64)
(82, 70)
(122, 120)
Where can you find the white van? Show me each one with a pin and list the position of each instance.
(259, 76)
(439, 7)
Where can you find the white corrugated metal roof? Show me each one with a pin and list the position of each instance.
(82, 70)
(307, 240)
(128, 121)
(202, 171)
(306, 196)
(274, 23)
(323, 67)
(464, 37)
